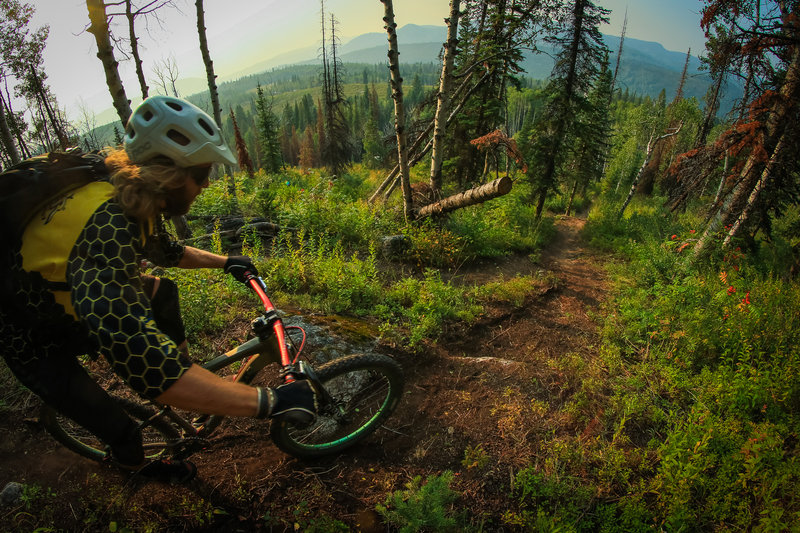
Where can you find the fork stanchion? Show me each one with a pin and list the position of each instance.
(258, 286)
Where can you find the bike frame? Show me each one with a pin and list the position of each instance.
(269, 346)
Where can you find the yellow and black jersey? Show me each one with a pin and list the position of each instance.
(78, 289)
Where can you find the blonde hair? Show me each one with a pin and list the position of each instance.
(141, 190)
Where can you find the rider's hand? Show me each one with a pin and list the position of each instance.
(237, 265)
(296, 402)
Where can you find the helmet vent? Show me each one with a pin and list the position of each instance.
(178, 137)
(174, 105)
(206, 126)
(147, 115)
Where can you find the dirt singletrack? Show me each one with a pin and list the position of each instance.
(477, 403)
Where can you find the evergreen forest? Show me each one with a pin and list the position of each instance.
(425, 206)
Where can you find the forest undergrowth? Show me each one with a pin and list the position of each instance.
(701, 393)
(684, 419)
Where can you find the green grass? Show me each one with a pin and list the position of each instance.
(327, 258)
(701, 371)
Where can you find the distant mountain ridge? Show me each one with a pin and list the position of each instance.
(646, 67)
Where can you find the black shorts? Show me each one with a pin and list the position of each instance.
(166, 307)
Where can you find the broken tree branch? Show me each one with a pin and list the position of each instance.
(651, 145)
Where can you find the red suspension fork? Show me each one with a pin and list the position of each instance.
(280, 333)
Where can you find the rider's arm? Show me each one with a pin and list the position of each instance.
(202, 391)
(107, 297)
(196, 258)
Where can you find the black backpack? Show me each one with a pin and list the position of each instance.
(26, 188)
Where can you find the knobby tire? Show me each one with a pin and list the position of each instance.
(156, 435)
(366, 389)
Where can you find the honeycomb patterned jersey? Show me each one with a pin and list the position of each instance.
(104, 293)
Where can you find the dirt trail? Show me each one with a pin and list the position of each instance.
(477, 404)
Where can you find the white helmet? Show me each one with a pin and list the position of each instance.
(163, 125)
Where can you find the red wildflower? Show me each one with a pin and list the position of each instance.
(731, 289)
(746, 299)
(691, 231)
(674, 237)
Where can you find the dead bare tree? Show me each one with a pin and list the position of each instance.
(443, 99)
(166, 74)
(129, 14)
(5, 134)
(87, 128)
(211, 77)
(399, 111)
(619, 51)
(105, 52)
(132, 13)
(651, 145)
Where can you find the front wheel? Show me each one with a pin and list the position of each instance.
(157, 433)
(365, 391)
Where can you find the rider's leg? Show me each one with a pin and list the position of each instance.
(165, 303)
(62, 383)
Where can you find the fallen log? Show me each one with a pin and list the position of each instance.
(480, 194)
(263, 228)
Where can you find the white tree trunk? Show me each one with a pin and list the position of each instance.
(651, 146)
(399, 110)
(753, 198)
(105, 52)
(443, 99)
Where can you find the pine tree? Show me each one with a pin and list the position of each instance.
(117, 136)
(22, 64)
(336, 145)
(720, 52)
(241, 149)
(582, 51)
(267, 124)
(375, 151)
(307, 157)
(492, 36)
(593, 134)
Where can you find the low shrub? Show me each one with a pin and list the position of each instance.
(423, 307)
(423, 506)
(705, 368)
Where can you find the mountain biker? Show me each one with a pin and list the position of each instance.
(79, 290)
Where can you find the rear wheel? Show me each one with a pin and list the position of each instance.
(156, 435)
(365, 391)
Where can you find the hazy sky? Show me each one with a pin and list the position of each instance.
(244, 32)
(673, 23)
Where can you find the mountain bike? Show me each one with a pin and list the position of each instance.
(357, 394)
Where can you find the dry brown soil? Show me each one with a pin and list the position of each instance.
(491, 386)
